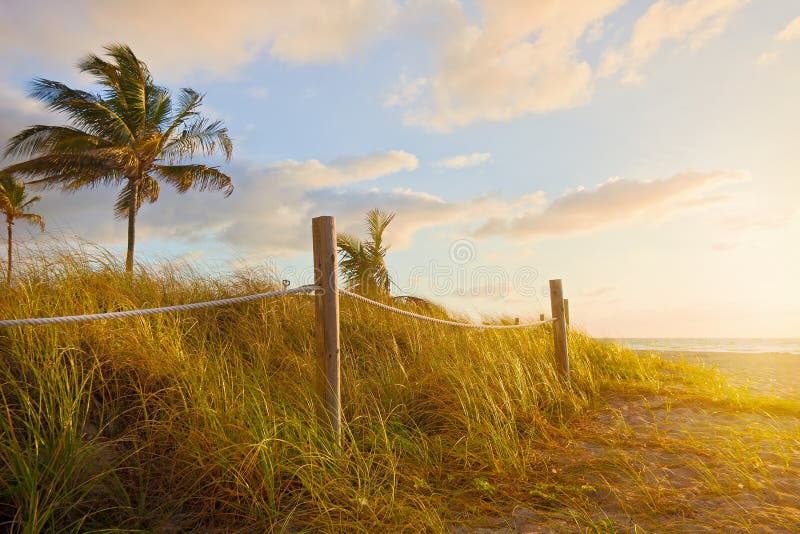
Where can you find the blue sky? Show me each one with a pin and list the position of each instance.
(645, 152)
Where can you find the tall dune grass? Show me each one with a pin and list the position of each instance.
(207, 420)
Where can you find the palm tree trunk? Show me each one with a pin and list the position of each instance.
(134, 186)
(8, 271)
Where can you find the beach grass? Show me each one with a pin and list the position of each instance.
(207, 421)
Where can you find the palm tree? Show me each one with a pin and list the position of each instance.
(14, 203)
(362, 262)
(131, 134)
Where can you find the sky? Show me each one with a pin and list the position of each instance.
(647, 153)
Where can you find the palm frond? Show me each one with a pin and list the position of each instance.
(201, 137)
(14, 200)
(188, 102)
(351, 260)
(87, 111)
(33, 218)
(161, 111)
(30, 201)
(106, 74)
(70, 171)
(361, 263)
(123, 135)
(197, 177)
(39, 139)
(123, 203)
(135, 85)
(6, 204)
(147, 190)
(377, 221)
(349, 244)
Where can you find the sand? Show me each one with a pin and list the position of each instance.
(660, 463)
(767, 373)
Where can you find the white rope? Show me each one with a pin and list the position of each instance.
(151, 311)
(247, 298)
(439, 321)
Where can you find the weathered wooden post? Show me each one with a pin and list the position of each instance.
(516, 320)
(328, 385)
(559, 328)
(566, 311)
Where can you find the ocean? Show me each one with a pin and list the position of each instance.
(744, 345)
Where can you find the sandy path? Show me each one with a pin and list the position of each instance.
(661, 464)
(766, 373)
(664, 464)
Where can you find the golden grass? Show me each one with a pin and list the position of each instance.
(206, 421)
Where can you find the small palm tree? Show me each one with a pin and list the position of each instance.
(14, 203)
(132, 134)
(362, 263)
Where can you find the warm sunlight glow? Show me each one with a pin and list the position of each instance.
(400, 266)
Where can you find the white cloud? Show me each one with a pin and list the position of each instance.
(17, 112)
(415, 210)
(406, 93)
(790, 32)
(595, 32)
(767, 58)
(268, 213)
(205, 37)
(314, 174)
(523, 59)
(612, 62)
(693, 22)
(615, 201)
(271, 224)
(460, 162)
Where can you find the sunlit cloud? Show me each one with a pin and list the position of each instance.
(415, 210)
(16, 112)
(767, 58)
(315, 174)
(692, 22)
(523, 59)
(790, 32)
(267, 213)
(461, 162)
(268, 224)
(407, 92)
(207, 38)
(613, 202)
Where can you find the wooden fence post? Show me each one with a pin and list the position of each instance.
(566, 311)
(326, 303)
(559, 328)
